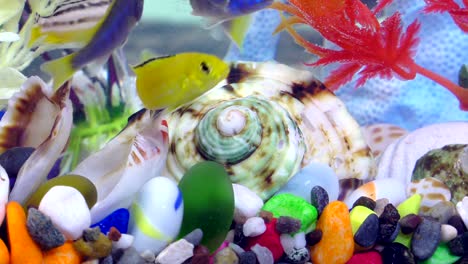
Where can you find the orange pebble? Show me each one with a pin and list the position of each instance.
(65, 254)
(337, 244)
(23, 249)
(4, 254)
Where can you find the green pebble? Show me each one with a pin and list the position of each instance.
(408, 206)
(208, 203)
(358, 215)
(442, 255)
(286, 204)
(82, 184)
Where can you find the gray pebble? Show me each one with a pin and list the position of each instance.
(130, 255)
(319, 198)
(248, 257)
(43, 231)
(91, 234)
(425, 239)
(194, 237)
(298, 256)
(442, 211)
(368, 232)
(287, 225)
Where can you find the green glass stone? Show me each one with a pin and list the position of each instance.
(208, 202)
(82, 184)
(442, 255)
(286, 204)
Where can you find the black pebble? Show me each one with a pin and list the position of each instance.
(247, 257)
(425, 239)
(368, 232)
(43, 231)
(13, 159)
(396, 253)
(409, 223)
(388, 224)
(314, 237)
(239, 237)
(459, 245)
(287, 225)
(365, 201)
(457, 222)
(319, 198)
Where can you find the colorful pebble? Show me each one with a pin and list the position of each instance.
(118, 219)
(368, 232)
(369, 257)
(286, 204)
(158, 197)
(269, 239)
(337, 243)
(246, 203)
(100, 248)
(4, 254)
(208, 202)
(65, 254)
(22, 248)
(442, 255)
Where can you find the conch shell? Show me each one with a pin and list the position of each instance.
(264, 123)
(40, 118)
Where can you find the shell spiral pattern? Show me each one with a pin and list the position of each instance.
(265, 122)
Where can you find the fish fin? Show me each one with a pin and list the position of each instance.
(236, 29)
(80, 37)
(60, 69)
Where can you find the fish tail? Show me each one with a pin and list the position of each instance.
(60, 69)
(237, 28)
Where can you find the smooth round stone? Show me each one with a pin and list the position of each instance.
(226, 256)
(118, 219)
(314, 174)
(80, 183)
(442, 255)
(432, 191)
(246, 203)
(358, 215)
(368, 232)
(425, 238)
(176, 252)
(409, 223)
(442, 211)
(156, 214)
(337, 243)
(68, 210)
(286, 204)
(448, 233)
(392, 189)
(319, 198)
(208, 202)
(365, 201)
(254, 226)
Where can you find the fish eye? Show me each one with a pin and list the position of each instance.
(204, 67)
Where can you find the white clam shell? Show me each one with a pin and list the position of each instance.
(399, 158)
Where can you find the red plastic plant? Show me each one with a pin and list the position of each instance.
(367, 48)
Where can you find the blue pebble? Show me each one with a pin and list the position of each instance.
(1, 114)
(118, 219)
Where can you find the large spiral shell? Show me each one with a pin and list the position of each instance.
(264, 123)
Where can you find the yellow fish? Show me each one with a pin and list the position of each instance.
(171, 81)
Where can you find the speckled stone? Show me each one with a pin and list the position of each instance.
(287, 225)
(298, 256)
(443, 164)
(43, 231)
(319, 198)
(388, 223)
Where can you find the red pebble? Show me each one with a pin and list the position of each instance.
(369, 257)
(269, 239)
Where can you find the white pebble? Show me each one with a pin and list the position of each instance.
(264, 255)
(4, 190)
(124, 242)
(148, 256)
(254, 226)
(287, 242)
(462, 208)
(246, 203)
(67, 209)
(299, 240)
(176, 252)
(448, 233)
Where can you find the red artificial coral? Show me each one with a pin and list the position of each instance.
(368, 48)
(458, 14)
